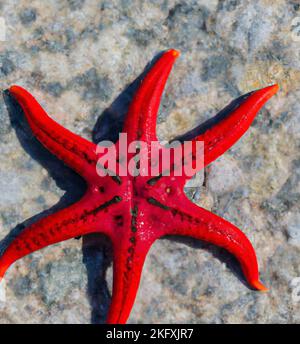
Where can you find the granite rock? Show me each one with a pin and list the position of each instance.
(77, 57)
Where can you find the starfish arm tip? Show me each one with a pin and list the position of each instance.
(3, 269)
(18, 92)
(175, 53)
(142, 114)
(273, 89)
(13, 89)
(259, 286)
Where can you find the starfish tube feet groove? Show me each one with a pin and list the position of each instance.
(135, 210)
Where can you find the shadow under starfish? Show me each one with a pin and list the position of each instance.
(121, 219)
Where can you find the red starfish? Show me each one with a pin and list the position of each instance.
(135, 211)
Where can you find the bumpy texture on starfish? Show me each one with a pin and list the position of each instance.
(135, 211)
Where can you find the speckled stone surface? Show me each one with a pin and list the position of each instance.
(77, 57)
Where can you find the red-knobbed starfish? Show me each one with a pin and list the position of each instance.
(135, 211)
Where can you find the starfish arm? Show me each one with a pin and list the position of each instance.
(201, 224)
(226, 128)
(127, 269)
(75, 151)
(76, 220)
(140, 123)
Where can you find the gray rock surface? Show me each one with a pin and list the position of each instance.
(76, 57)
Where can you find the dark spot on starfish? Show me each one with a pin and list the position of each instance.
(57, 228)
(65, 223)
(44, 237)
(101, 189)
(133, 229)
(35, 241)
(84, 214)
(154, 180)
(129, 263)
(27, 245)
(117, 199)
(134, 211)
(155, 202)
(119, 220)
(132, 240)
(105, 205)
(117, 179)
(86, 157)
